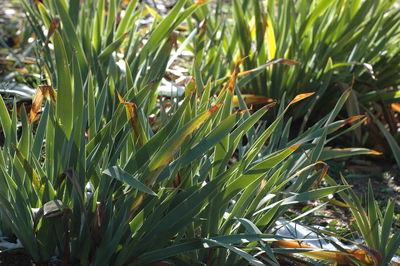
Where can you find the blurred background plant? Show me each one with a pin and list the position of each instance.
(18, 72)
(139, 146)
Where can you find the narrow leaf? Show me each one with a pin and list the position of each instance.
(119, 174)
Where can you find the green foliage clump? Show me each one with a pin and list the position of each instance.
(95, 181)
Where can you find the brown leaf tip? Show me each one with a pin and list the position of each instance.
(374, 152)
(56, 20)
(301, 97)
(270, 105)
(289, 62)
(121, 100)
(173, 38)
(215, 108)
(295, 147)
(240, 61)
(200, 2)
(354, 118)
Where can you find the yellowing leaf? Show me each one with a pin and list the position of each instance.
(368, 151)
(32, 173)
(301, 97)
(151, 11)
(270, 38)
(335, 257)
(231, 83)
(324, 171)
(53, 26)
(289, 62)
(336, 202)
(214, 108)
(41, 92)
(251, 99)
(131, 110)
(22, 70)
(173, 38)
(396, 107)
(253, 28)
(354, 118)
(36, 105)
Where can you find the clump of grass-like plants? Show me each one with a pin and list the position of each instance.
(86, 177)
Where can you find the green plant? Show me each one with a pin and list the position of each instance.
(340, 44)
(375, 226)
(95, 182)
(122, 218)
(336, 41)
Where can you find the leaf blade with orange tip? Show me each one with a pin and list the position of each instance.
(260, 141)
(395, 107)
(201, 2)
(354, 118)
(301, 97)
(230, 86)
(134, 120)
(326, 255)
(334, 153)
(274, 159)
(53, 26)
(251, 99)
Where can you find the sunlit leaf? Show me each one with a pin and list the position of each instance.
(301, 97)
(119, 174)
(251, 99)
(332, 256)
